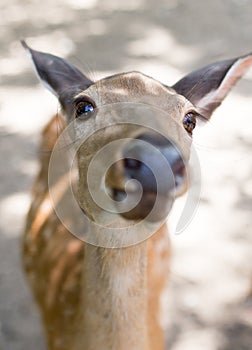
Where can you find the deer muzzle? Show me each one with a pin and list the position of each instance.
(153, 171)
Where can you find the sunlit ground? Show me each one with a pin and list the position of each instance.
(205, 306)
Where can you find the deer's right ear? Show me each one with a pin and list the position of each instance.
(59, 76)
(207, 87)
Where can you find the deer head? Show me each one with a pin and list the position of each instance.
(153, 122)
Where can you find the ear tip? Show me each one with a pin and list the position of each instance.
(246, 61)
(250, 55)
(246, 56)
(25, 45)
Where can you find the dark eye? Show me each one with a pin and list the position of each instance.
(83, 108)
(189, 122)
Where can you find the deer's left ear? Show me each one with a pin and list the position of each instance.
(59, 76)
(207, 87)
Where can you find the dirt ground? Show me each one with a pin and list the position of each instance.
(206, 301)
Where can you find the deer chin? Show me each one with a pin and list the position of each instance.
(151, 207)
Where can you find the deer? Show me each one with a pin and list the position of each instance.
(95, 296)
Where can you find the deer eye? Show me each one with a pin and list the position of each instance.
(189, 122)
(83, 109)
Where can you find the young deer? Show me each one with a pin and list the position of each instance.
(93, 296)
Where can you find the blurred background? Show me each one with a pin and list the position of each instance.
(206, 305)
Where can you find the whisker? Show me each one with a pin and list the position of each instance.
(68, 146)
(86, 67)
(199, 83)
(202, 147)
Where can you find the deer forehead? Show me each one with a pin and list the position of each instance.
(136, 87)
(133, 87)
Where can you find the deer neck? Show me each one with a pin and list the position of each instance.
(114, 300)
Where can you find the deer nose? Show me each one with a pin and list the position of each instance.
(155, 162)
(157, 165)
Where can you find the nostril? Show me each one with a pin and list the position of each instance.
(178, 167)
(131, 163)
(179, 171)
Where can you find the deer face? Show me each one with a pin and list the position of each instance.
(148, 124)
(117, 108)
